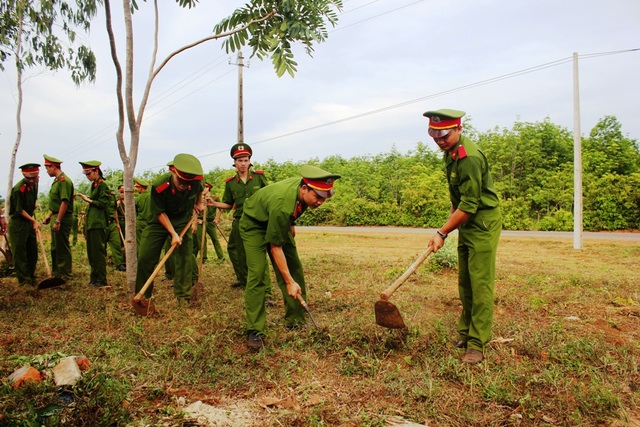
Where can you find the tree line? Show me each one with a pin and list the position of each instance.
(532, 168)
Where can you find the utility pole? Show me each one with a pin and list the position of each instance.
(577, 160)
(240, 66)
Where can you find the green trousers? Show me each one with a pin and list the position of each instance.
(97, 254)
(258, 267)
(115, 245)
(235, 249)
(152, 241)
(477, 246)
(61, 260)
(24, 246)
(213, 235)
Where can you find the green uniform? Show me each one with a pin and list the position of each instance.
(236, 192)
(268, 216)
(113, 235)
(211, 232)
(178, 206)
(471, 190)
(97, 218)
(61, 261)
(142, 213)
(22, 236)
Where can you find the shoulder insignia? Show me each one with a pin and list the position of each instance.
(259, 172)
(229, 179)
(462, 153)
(23, 188)
(160, 188)
(62, 178)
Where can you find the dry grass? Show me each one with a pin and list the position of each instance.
(566, 351)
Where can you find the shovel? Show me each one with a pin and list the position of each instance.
(146, 307)
(387, 314)
(51, 282)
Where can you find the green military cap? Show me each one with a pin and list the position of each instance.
(89, 165)
(188, 167)
(441, 122)
(141, 182)
(240, 150)
(30, 170)
(318, 180)
(50, 160)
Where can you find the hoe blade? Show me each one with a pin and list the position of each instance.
(388, 315)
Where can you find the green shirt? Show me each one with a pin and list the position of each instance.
(470, 184)
(165, 198)
(61, 189)
(23, 198)
(143, 207)
(275, 208)
(236, 191)
(101, 203)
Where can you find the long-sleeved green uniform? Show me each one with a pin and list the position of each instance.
(22, 235)
(267, 218)
(61, 260)
(178, 206)
(471, 190)
(97, 218)
(236, 192)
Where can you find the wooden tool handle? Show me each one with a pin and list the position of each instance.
(391, 289)
(164, 259)
(44, 254)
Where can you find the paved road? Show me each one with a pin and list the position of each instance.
(602, 235)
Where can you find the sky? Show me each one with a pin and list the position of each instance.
(362, 92)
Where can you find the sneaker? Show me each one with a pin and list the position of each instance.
(237, 284)
(473, 357)
(254, 341)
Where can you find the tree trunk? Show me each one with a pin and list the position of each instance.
(14, 152)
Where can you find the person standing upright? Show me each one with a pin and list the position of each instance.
(238, 188)
(475, 214)
(97, 216)
(23, 224)
(60, 207)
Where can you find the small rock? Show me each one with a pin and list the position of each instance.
(66, 372)
(24, 374)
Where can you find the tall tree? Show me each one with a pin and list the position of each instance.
(30, 33)
(268, 27)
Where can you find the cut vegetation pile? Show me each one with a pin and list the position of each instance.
(566, 349)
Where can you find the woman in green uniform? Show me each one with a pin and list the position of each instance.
(268, 226)
(99, 201)
(23, 224)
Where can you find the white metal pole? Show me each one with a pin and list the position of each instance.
(577, 160)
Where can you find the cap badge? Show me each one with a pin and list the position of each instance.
(435, 119)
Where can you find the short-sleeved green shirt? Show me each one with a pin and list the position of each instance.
(165, 198)
(275, 208)
(237, 192)
(98, 211)
(470, 183)
(61, 189)
(23, 198)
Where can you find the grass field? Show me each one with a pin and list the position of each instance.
(566, 349)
